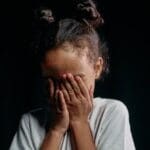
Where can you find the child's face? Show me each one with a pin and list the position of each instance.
(58, 62)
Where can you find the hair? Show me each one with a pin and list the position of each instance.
(79, 31)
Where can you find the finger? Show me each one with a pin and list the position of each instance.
(69, 89)
(57, 103)
(82, 87)
(91, 92)
(74, 84)
(91, 95)
(57, 106)
(56, 89)
(61, 101)
(55, 98)
(51, 90)
(65, 93)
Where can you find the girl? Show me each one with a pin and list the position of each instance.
(72, 57)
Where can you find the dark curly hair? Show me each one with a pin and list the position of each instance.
(79, 31)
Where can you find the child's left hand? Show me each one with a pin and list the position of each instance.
(78, 98)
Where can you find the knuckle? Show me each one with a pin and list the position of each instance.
(78, 102)
(84, 99)
(70, 92)
(76, 90)
(64, 91)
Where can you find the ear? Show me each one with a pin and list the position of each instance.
(98, 67)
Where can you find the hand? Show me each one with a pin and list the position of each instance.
(59, 110)
(78, 98)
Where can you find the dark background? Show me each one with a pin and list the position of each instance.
(126, 30)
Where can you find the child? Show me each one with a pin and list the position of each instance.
(72, 57)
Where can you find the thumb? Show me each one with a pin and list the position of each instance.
(91, 92)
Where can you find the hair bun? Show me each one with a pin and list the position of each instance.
(86, 9)
(44, 15)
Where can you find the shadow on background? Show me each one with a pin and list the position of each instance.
(126, 29)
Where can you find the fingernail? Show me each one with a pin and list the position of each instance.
(77, 78)
(64, 76)
(69, 75)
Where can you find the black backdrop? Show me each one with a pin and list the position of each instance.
(126, 29)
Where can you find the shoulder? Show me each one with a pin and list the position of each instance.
(112, 124)
(37, 112)
(35, 116)
(109, 112)
(110, 106)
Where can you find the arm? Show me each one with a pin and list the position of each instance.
(82, 142)
(79, 104)
(52, 140)
(54, 136)
(24, 140)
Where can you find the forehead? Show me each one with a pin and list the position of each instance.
(58, 62)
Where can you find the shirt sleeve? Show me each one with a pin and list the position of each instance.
(115, 132)
(22, 139)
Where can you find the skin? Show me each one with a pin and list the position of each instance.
(72, 94)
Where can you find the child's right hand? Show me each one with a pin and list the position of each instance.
(59, 110)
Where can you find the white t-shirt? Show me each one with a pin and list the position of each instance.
(109, 122)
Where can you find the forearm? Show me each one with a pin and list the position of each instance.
(82, 136)
(52, 140)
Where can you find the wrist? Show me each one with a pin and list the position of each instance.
(78, 123)
(57, 132)
(52, 140)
